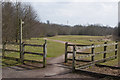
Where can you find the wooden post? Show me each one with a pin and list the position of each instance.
(44, 53)
(21, 23)
(118, 57)
(116, 48)
(22, 56)
(66, 45)
(74, 54)
(3, 50)
(92, 51)
(105, 48)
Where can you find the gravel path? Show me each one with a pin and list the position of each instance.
(54, 69)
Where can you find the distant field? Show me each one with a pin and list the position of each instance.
(80, 39)
(56, 49)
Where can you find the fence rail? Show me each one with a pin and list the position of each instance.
(33, 53)
(14, 43)
(33, 45)
(92, 63)
(77, 48)
(93, 46)
(11, 50)
(23, 52)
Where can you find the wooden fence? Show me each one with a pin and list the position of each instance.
(77, 48)
(23, 52)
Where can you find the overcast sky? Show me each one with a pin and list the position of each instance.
(73, 13)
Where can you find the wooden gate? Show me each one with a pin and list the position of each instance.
(76, 53)
(23, 52)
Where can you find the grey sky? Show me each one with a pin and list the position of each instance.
(105, 13)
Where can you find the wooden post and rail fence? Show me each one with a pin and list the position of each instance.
(23, 52)
(77, 48)
(22, 47)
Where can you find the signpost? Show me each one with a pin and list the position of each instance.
(21, 25)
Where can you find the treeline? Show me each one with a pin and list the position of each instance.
(43, 29)
(116, 32)
(13, 12)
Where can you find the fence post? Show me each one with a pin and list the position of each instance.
(105, 48)
(3, 50)
(116, 50)
(44, 52)
(20, 37)
(22, 53)
(92, 51)
(66, 45)
(74, 53)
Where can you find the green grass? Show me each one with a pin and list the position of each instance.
(90, 40)
(54, 49)
(80, 39)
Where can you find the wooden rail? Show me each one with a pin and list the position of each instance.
(33, 45)
(77, 48)
(23, 52)
(11, 43)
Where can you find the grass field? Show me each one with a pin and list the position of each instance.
(90, 40)
(55, 49)
(80, 39)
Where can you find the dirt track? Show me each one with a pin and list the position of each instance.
(54, 69)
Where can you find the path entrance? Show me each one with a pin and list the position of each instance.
(55, 69)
